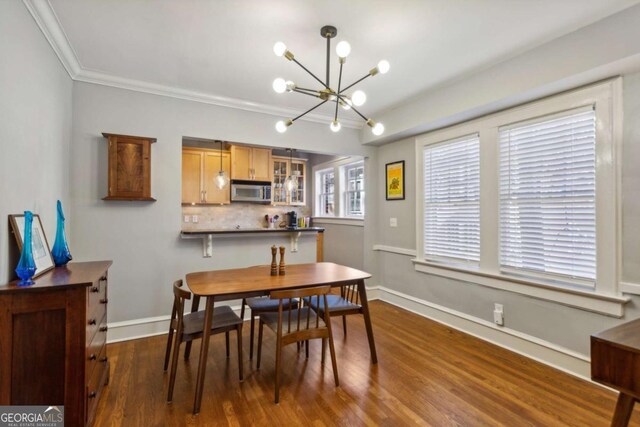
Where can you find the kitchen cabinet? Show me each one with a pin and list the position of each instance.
(199, 169)
(251, 163)
(282, 167)
(129, 167)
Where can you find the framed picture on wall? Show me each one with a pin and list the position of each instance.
(39, 245)
(394, 173)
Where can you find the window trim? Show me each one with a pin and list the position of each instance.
(318, 193)
(607, 98)
(338, 167)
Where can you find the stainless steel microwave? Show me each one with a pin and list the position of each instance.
(251, 191)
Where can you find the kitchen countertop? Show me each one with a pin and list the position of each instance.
(252, 230)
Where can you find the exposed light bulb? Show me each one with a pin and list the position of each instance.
(345, 103)
(378, 129)
(383, 66)
(281, 126)
(221, 180)
(335, 126)
(279, 85)
(343, 49)
(358, 98)
(290, 86)
(279, 48)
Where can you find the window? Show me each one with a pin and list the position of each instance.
(354, 193)
(527, 199)
(547, 196)
(326, 206)
(452, 200)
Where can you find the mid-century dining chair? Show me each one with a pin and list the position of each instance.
(259, 305)
(296, 325)
(348, 302)
(188, 327)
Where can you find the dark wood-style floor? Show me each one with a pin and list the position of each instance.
(427, 374)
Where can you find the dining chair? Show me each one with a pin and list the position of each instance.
(258, 306)
(298, 324)
(188, 327)
(344, 304)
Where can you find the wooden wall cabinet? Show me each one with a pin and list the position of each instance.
(282, 167)
(199, 169)
(251, 163)
(129, 167)
(52, 341)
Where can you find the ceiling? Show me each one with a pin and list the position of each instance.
(223, 48)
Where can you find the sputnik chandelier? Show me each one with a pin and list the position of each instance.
(327, 94)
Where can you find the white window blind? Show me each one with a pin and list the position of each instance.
(547, 196)
(452, 200)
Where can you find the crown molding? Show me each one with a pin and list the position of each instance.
(46, 19)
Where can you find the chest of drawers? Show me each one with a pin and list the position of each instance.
(53, 340)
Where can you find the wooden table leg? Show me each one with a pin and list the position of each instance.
(623, 410)
(367, 319)
(204, 350)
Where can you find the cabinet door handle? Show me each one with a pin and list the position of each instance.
(95, 289)
(104, 329)
(92, 321)
(92, 357)
(104, 359)
(104, 300)
(92, 395)
(205, 196)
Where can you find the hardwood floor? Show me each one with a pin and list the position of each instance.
(427, 374)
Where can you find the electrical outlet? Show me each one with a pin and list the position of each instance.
(194, 218)
(393, 222)
(498, 314)
(186, 218)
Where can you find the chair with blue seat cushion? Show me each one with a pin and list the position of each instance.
(344, 304)
(260, 305)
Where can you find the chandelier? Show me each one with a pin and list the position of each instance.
(326, 93)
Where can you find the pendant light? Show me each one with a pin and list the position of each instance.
(221, 180)
(291, 183)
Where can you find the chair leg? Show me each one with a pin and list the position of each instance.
(332, 350)
(324, 346)
(259, 346)
(240, 366)
(278, 364)
(187, 350)
(251, 335)
(306, 349)
(226, 340)
(244, 301)
(167, 354)
(344, 325)
(174, 367)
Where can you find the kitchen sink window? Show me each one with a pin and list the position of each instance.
(339, 191)
(354, 192)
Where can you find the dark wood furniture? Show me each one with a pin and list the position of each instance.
(257, 306)
(190, 327)
(52, 340)
(296, 325)
(615, 362)
(129, 167)
(242, 282)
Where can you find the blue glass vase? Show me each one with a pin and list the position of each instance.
(26, 266)
(60, 251)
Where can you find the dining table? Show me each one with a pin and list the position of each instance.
(225, 285)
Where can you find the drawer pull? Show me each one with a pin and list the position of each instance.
(104, 300)
(92, 395)
(92, 357)
(95, 289)
(92, 321)
(104, 359)
(104, 328)
(103, 279)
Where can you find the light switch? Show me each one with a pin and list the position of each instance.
(186, 218)
(194, 218)
(393, 222)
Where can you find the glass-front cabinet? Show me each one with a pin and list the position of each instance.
(282, 168)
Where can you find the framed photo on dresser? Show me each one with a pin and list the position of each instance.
(39, 245)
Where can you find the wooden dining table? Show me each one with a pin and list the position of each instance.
(224, 285)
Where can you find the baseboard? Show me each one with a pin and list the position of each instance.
(532, 347)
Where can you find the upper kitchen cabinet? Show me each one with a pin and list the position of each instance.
(250, 163)
(282, 167)
(129, 167)
(199, 169)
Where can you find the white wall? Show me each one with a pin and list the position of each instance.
(142, 238)
(35, 129)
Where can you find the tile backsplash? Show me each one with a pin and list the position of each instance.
(245, 215)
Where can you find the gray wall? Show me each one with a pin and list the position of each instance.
(558, 324)
(344, 244)
(143, 238)
(35, 129)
